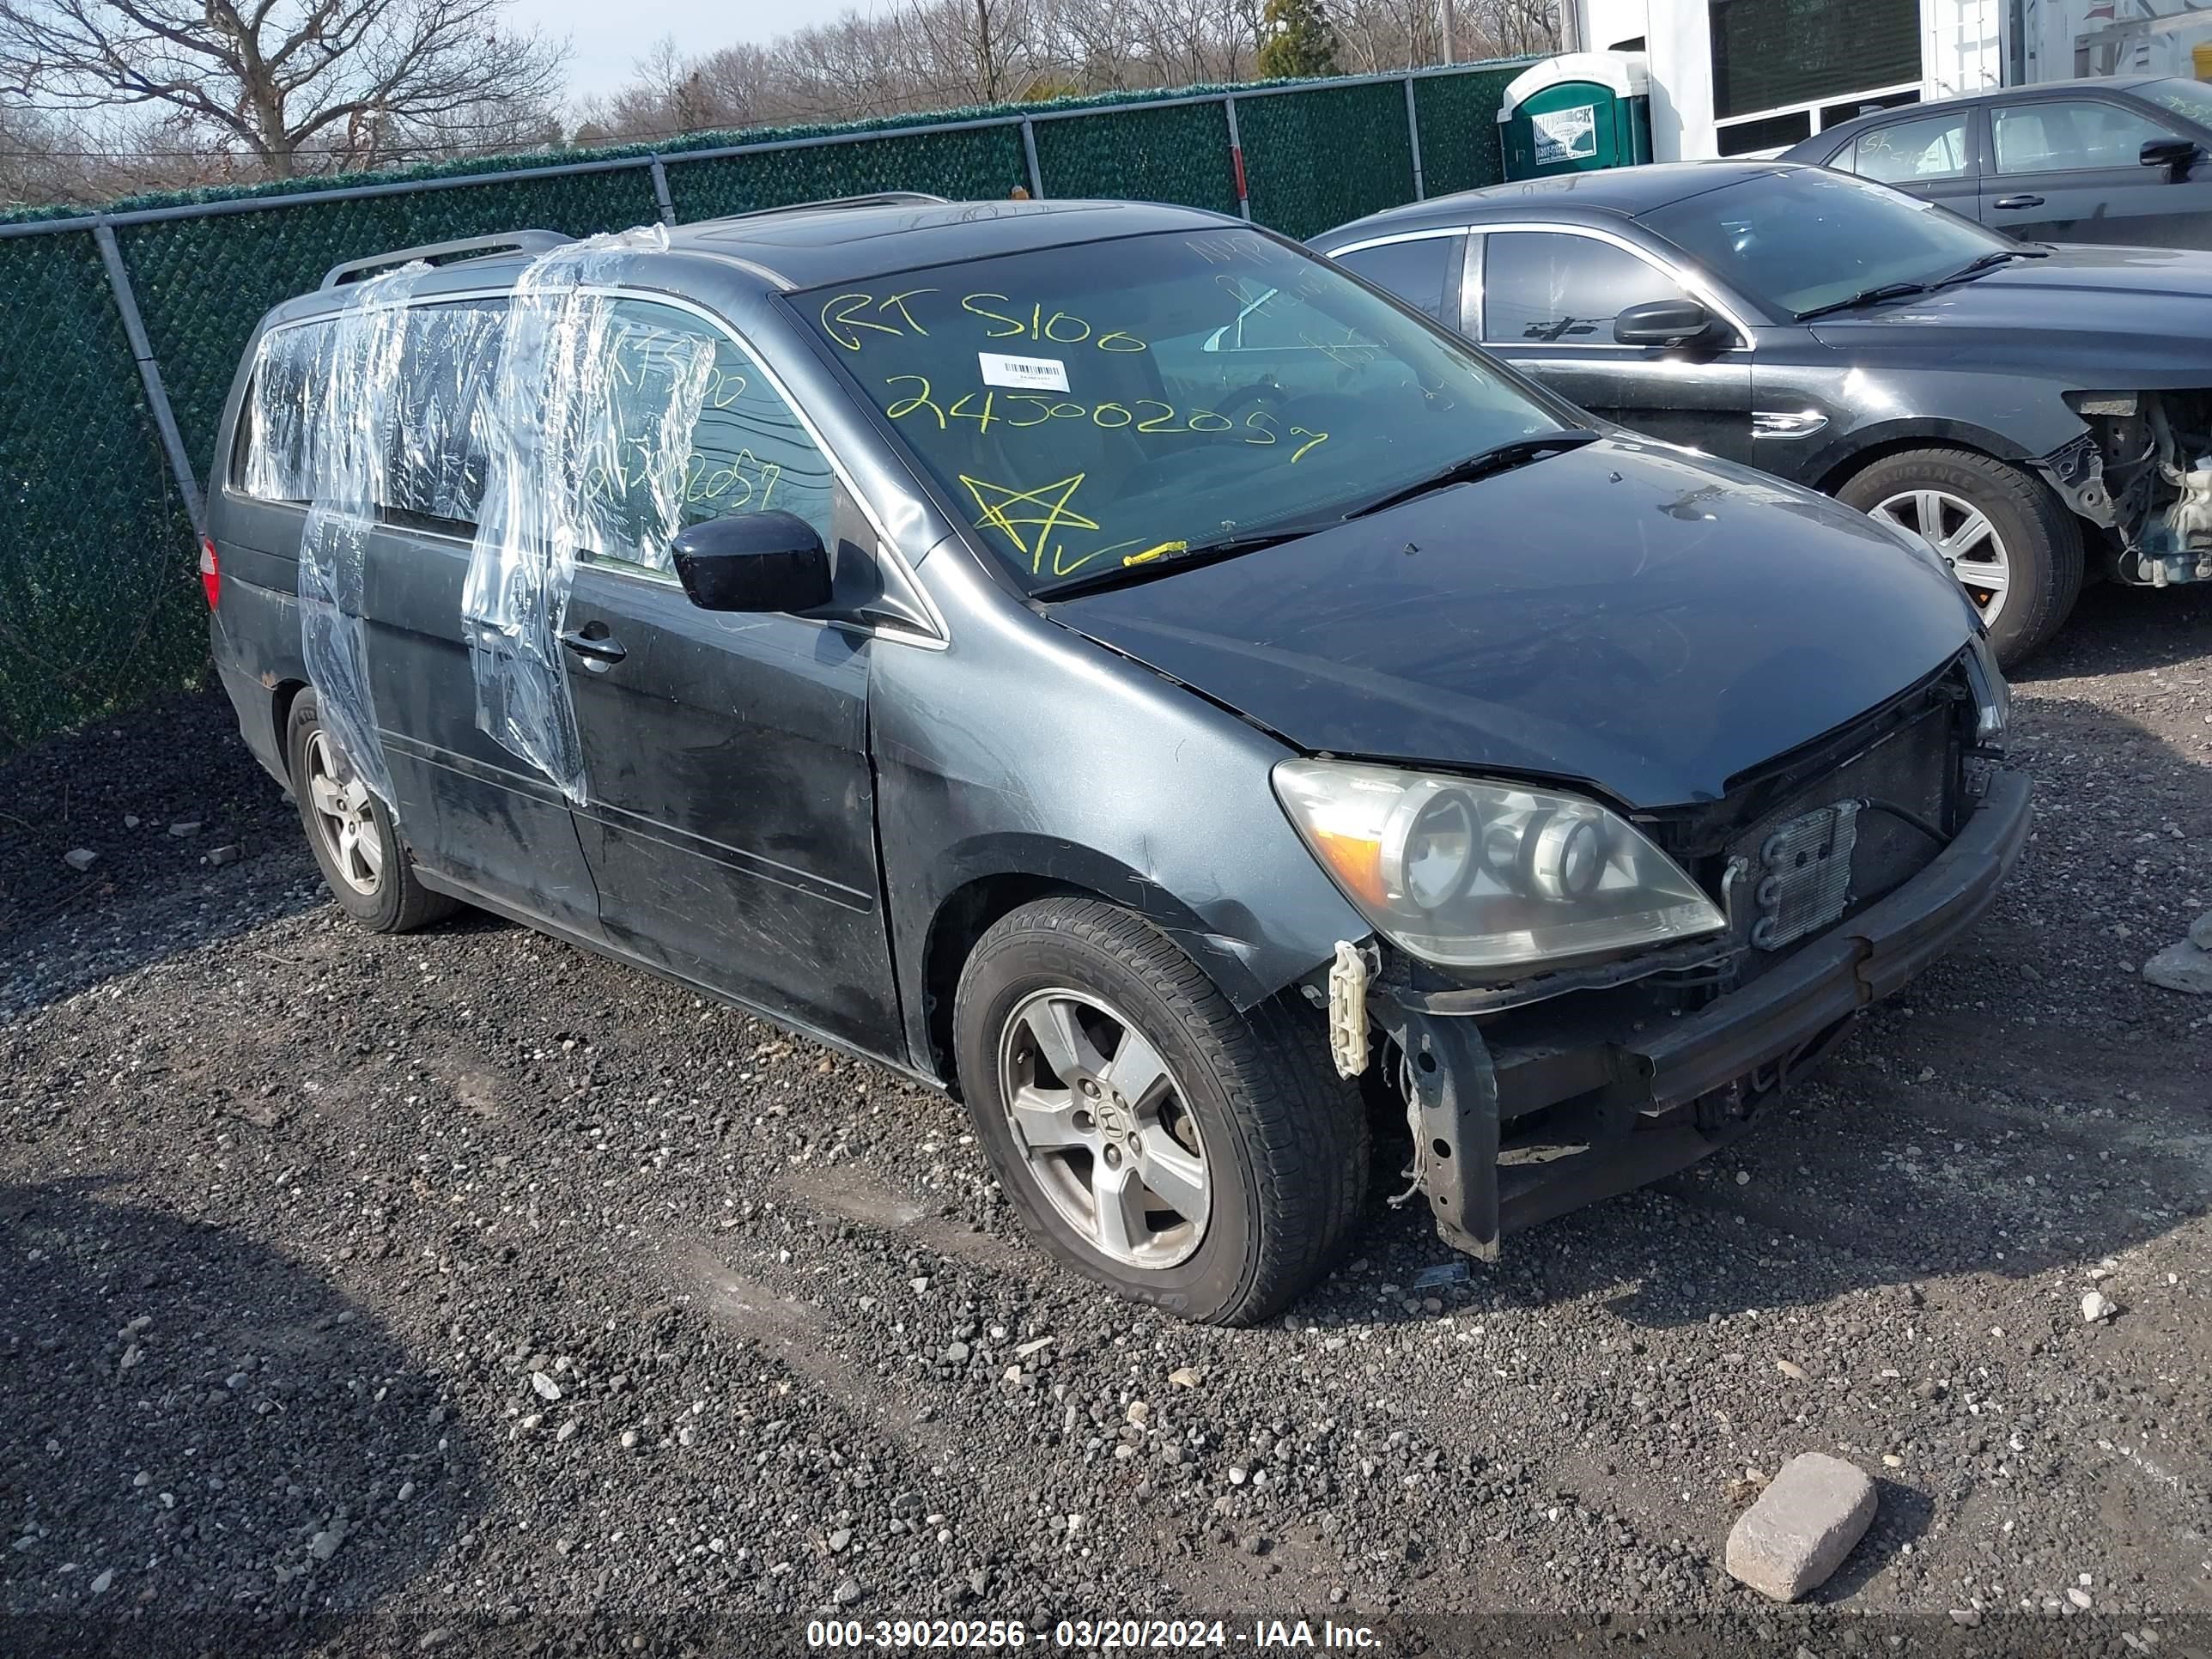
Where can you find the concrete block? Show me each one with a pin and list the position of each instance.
(1803, 1526)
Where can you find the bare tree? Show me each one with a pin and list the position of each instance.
(301, 85)
(933, 54)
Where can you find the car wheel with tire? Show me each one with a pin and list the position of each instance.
(364, 863)
(1203, 1160)
(2010, 540)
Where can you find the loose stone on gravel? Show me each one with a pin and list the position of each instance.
(2097, 1307)
(2185, 966)
(80, 859)
(1797, 1533)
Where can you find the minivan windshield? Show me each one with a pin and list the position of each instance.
(1799, 239)
(1104, 405)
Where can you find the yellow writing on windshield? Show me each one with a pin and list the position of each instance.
(1061, 327)
(845, 316)
(1047, 509)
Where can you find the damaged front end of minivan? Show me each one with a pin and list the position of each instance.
(1813, 887)
(2142, 473)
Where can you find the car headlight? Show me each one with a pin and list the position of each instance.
(1992, 697)
(1469, 874)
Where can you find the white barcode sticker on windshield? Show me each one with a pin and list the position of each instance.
(1032, 373)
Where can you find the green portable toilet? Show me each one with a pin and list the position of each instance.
(1576, 113)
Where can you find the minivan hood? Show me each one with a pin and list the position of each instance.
(1626, 615)
(2131, 312)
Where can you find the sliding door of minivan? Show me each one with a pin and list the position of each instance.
(470, 808)
(467, 809)
(730, 815)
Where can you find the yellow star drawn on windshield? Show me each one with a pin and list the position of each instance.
(1049, 511)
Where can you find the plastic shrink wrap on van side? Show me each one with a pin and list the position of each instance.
(586, 437)
(553, 422)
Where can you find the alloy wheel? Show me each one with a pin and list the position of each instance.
(1105, 1128)
(1963, 534)
(339, 803)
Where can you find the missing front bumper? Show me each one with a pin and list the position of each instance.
(1658, 1102)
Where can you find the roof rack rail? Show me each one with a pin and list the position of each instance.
(878, 199)
(519, 241)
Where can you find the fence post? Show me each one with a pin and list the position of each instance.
(660, 192)
(150, 373)
(1237, 155)
(1413, 132)
(1030, 155)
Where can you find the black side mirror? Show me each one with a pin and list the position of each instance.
(1666, 324)
(753, 561)
(2176, 156)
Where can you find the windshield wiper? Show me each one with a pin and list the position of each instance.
(1171, 556)
(1866, 296)
(1990, 261)
(1517, 452)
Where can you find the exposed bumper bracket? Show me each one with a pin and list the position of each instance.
(1453, 1109)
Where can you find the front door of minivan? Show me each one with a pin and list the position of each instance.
(730, 811)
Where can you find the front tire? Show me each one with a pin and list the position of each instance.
(2010, 541)
(1207, 1162)
(364, 863)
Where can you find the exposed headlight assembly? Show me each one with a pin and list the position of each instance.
(1469, 874)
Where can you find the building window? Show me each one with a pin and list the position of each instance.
(1770, 53)
(1771, 132)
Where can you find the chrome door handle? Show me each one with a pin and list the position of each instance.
(2017, 202)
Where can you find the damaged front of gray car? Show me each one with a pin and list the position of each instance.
(1637, 831)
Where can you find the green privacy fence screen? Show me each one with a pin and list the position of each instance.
(124, 328)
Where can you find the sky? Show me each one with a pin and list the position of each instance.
(609, 36)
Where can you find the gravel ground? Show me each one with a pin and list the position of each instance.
(375, 1295)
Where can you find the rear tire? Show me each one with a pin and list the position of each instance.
(1243, 1156)
(1993, 519)
(364, 863)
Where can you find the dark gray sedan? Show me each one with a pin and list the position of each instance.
(2099, 161)
(2020, 406)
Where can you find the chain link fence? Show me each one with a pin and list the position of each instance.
(126, 327)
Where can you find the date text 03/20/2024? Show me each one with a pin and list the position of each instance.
(1090, 1635)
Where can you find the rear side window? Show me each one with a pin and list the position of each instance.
(1910, 152)
(449, 359)
(1545, 287)
(432, 446)
(1423, 272)
(656, 382)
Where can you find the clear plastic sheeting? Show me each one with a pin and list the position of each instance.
(324, 409)
(585, 435)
